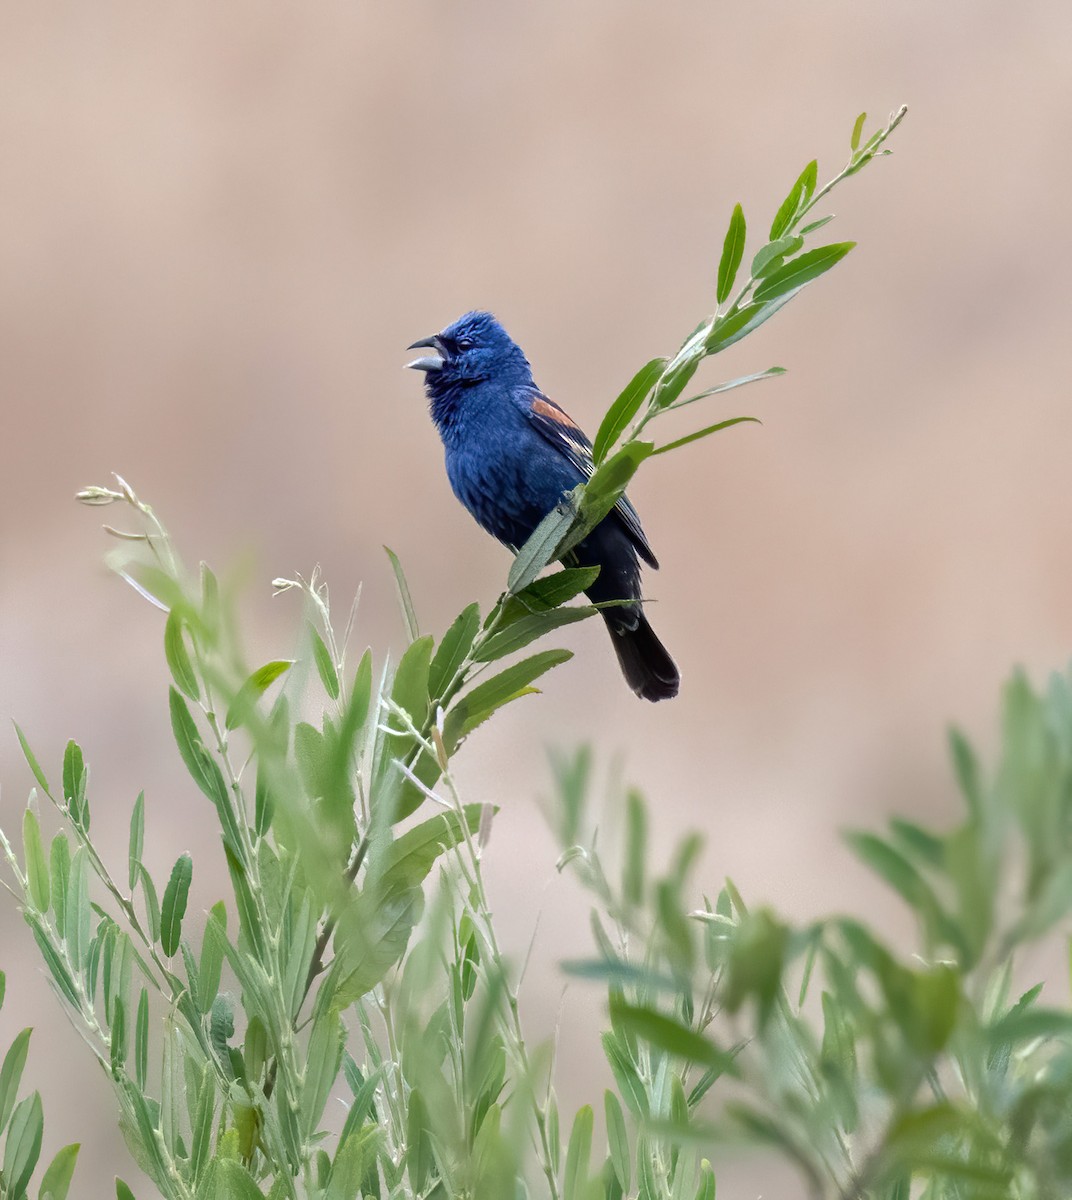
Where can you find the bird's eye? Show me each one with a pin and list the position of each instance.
(464, 343)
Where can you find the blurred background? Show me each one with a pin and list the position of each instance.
(221, 225)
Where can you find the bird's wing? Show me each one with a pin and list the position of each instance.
(559, 428)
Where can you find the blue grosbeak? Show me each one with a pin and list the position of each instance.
(511, 455)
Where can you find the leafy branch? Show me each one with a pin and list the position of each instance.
(780, 270)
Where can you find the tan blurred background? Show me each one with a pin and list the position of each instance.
(220, 225)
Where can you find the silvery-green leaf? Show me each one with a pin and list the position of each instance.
(617, 1139)
(31, 760)
(56, 1181)
(178, 657)
(326, 669)
(23, 1145)
(238, 712)
(404, 597)
(37, 879)
(60, 861)
(11, 1074)
(323, 1062)
(137, 840)
(174, 906)
(578, 1153)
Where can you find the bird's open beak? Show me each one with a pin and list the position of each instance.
(429, 362)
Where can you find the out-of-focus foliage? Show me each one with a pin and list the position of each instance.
(355, 955)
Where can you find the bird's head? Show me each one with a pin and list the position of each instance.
(470, 350)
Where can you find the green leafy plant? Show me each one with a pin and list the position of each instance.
(877, 1075)
(344, 1022)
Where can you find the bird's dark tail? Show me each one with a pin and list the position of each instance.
(648, 668)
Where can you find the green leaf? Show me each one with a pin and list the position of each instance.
(617, 1139)
(118, 1035)
(605, 488)
(551, 591)
(453, 650)
(37, 880)
(57, 1178)
(249, 919)
(541, 548)
(56, 966)
(174, 906)
(213, 948)
(707, 1181)
(410, 692)
(326, 669)
(966, 769)
(364, 1091)
(141, 1040)
(420, 1157)
(193, 983)
(673, 382)
(405, 599)
(299, 954)
(11, 1074)
(481, 701)
(371, 937)
(60, 860)
(118, 965)
(857, 132)
(409, 858)
(355, 1156)
(76, 928)
(31, 760)
(122, 1192)
(74, 785)
(769, 257)
(756, 958)
(375, 927)
(203, 769)
(152, 903)
(178, 658)
(802, 270)
(809, 177)
(625, 1075)
(23, 1146)
(578, 1153)
(527, 629)
(201, 1131)
(922, 845)
(892, 866)
(323, 1062)
(702, 433)
(228, 1179)
(812, 226)
(787, 212)
(1026, 1025)
(137, 839)
(410, 688)
(732, 253)
(255, 1049)
(626, 406)
(619, 972)
(736, 325)
(729, 386)
(669, 1034)
(254, 687)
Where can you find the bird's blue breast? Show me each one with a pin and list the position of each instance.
(504, 472)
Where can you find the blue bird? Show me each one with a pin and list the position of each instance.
(512, 454)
